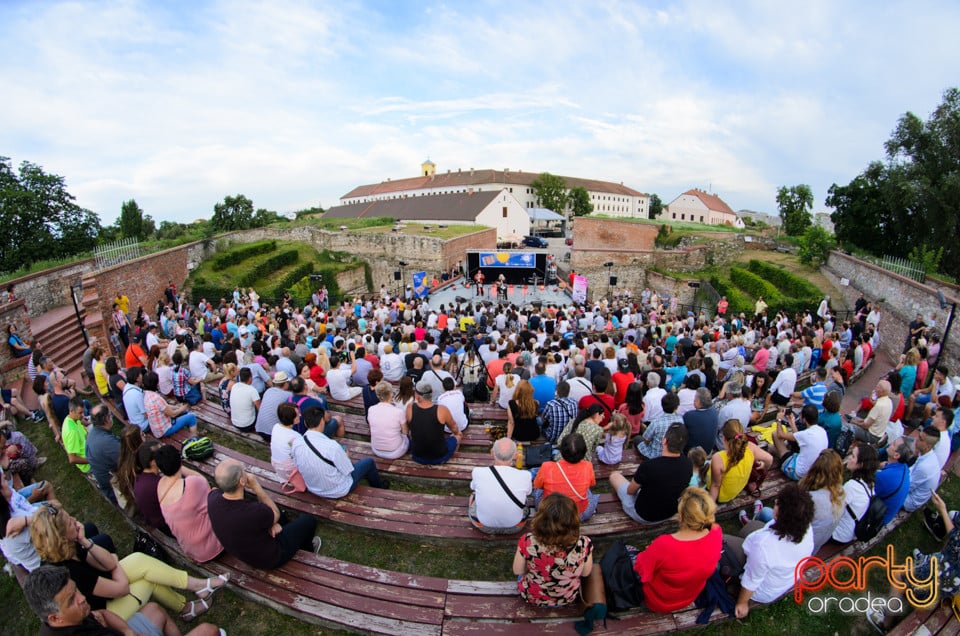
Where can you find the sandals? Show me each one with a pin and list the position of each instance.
(207, 591)
(204, 604)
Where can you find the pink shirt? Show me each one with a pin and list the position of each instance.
(386, 437)
(188, 519)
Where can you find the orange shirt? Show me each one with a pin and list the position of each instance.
(580, 475)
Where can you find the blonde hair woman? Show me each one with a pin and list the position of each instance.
(505, 385)
(522, 424)
(824, 482)
(122, 586)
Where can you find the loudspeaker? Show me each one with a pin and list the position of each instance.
(396, 276)
(613, 280)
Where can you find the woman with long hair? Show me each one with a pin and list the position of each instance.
(632, 408)
(587, 423)
(152, 357)
(759, 396)
(522, 410)
(230, 373)
(122, 586)
(824, 482)
(730, 467)
(131, 437)
(405, 393)
(504, 386)
(553, 559)
(183, 502)
(863, 462)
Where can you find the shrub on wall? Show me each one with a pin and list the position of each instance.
(756, 286)
(264, 269)
(786, 282)
(242, 253)
(737, 301)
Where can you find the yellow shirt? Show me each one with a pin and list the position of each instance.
(123, 303)
(99, 374)
(735, 478)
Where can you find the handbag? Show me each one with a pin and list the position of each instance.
(146, 544)
(294, 483)
(534, 456)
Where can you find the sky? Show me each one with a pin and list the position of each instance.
(179, 103)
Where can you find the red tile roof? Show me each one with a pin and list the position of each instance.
(712, 201)
(477, 177)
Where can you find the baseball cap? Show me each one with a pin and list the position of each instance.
(424, 389)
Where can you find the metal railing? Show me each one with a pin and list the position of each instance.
(903, 266)
(115, 253)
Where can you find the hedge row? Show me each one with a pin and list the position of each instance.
(265, 268)
(756, 286)
(242, 253)
(738, 302)
(789, 284)
(301, 271)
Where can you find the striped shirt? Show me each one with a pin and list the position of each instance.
(557, 413)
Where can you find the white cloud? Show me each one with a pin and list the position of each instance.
(292, 103)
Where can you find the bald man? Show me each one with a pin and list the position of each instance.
(498, 500)
(874, 426)
(256, 532)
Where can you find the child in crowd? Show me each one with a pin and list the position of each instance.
(698, 457)
(611, 451)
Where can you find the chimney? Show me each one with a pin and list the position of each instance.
(458, 170)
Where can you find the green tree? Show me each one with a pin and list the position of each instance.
(927, 257)
(131, 220)
(264, 217)
(795, 204)
(38, 217)
(170, 230)
(235, 213)
(579, 199)
(551, 192)
(815, 246)
(656, 206)
(149, 227)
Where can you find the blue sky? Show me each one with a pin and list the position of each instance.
(177, 104)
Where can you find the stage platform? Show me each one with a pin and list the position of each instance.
(517, 295)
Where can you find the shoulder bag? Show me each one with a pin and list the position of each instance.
(509, 492)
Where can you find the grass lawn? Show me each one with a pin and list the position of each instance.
(419, 229)
(240, 616)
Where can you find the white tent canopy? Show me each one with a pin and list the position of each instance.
(543, 214)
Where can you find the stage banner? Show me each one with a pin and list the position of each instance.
(507, 259)
(579, 294)
(420, 289)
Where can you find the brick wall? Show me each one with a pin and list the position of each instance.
(608, 234)
(900, 300)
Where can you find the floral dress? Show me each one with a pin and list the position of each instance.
(552, 579)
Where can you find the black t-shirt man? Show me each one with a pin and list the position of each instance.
(662, 481)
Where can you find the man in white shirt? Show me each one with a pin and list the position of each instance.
(652, 408)
(925, 472)
(873, 428)
(942, 420)
(498, 506)
(453, 399)
(783, 386)
(391, 364)
(811, 440)
(244, 402)
(202, 366)
(435, 376)
(338, 381)
(324, 464)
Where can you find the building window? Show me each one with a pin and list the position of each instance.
(683, 217)
(701, 219)
(504, 211)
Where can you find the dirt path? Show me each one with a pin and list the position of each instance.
(792, 264)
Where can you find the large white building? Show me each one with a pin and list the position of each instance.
(608, 198)
(702, 207)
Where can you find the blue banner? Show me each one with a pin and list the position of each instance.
(420, 288)
(507, 259)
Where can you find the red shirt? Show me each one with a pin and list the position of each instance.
(673, 572)
(602, 399)
(133, 355)
(622, 380)
(581, 477)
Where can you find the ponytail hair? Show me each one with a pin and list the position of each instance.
(735, 440)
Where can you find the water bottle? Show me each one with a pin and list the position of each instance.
(519, 457)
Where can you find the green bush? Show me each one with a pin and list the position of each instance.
(265, 268)
(737, 301)
(301, 271)
(242, 253)
(788, 283)
(755, 286)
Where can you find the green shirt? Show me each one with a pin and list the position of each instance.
(75, 441)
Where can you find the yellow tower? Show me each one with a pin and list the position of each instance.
(428, 168)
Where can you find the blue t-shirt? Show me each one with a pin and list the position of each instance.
(544, 388)
(832, 423)
(908, 377)
(888, 480)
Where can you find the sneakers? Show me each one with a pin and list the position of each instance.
(876, 617)
(757, 507)
(317, 544)
(37, 415)
(934, 524)
(744, 518)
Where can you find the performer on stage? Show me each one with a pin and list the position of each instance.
(479, 278)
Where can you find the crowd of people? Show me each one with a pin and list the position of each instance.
(691, 393)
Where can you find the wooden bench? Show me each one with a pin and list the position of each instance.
(938, 621)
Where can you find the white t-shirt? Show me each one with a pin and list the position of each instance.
(506, 393)
(686, 400)
(392, 366)
(454, 401)
(771, 561)
(579, 388)
(924, 478)
(942, 449)
(338, 383)
(243, 411)
(494, 507)
(811, 440)
(652, 407)
(198, 364)
(785, 383)
(281, 451)
(858, 498)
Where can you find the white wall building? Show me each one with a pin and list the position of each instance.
(608, 198)
(698, 206)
